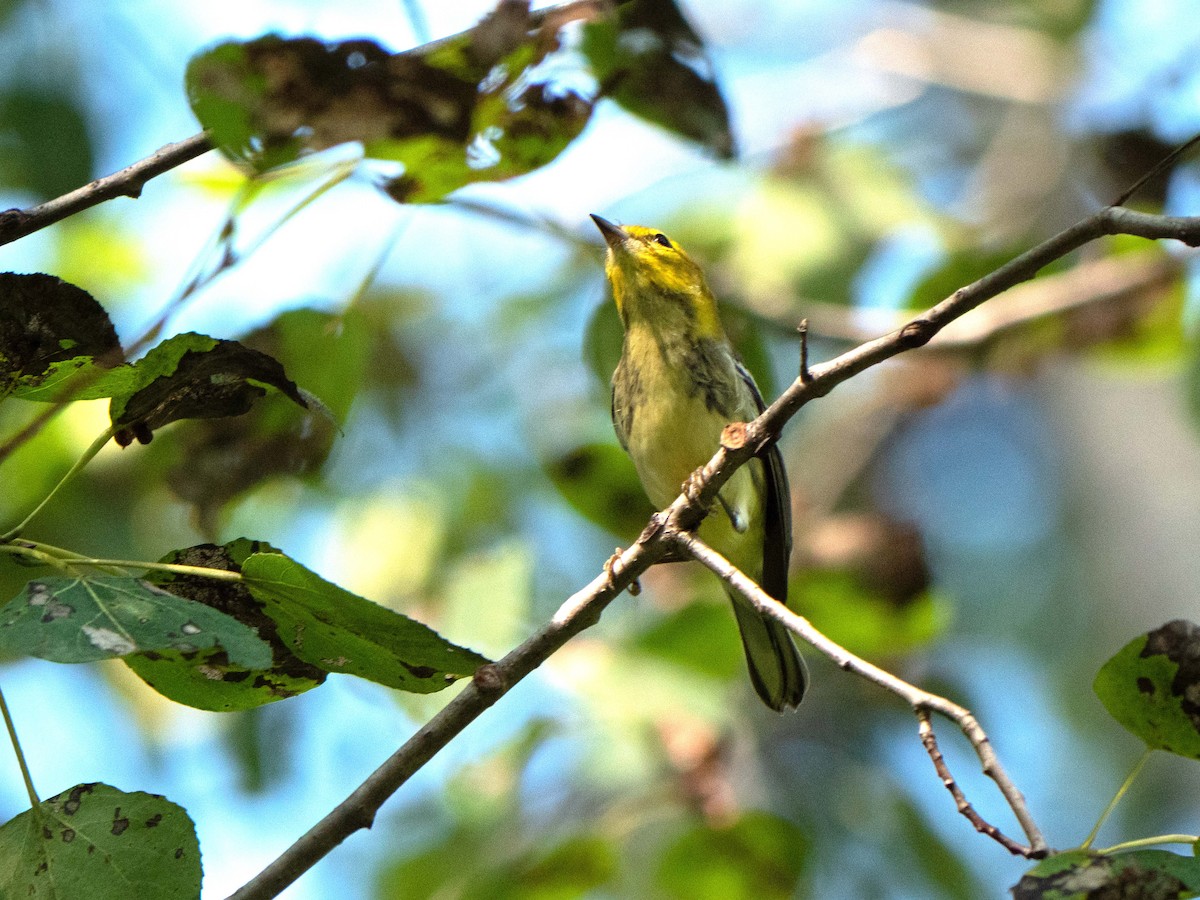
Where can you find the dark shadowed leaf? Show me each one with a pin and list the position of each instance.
(652, 62)
(73, 620)
(760, 855)
(96, 842)
(480, 107)
(45, 147)
(1151, 684)
(193, 376)
(49, 331)
(1079, 875)
(217, 460)
(209, 679)
(601, 484)
(341, 632)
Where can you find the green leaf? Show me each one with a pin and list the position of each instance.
(193, 376)
(1150, 687)
(760, 856)
(865, 620)
(653, 63)
(341, 632)
(82, 619)
(1079, 875)
(601, 484)
(209, 679)
(94, 842)
(602, 340)
(49, 331)
(45, 147)
(567, 869)
(696, 635)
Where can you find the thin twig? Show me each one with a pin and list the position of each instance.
(1159, 167)
(920, 700)
(17, 223)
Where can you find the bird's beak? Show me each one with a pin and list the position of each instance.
(614, 235)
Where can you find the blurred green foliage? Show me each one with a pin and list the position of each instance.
(455, 462)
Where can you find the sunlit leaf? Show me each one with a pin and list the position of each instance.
(83, 619)
(1151, 684)
(864, 620)
(51, 330)
(1079, 875)
(193, 376)
(338, 631)
(760, 855)
(94, 842)
(652, 62)
(210, 679)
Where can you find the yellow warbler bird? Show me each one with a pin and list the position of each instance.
(677, 386)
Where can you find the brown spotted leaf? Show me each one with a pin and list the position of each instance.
(94, 841)
(1142, 874)
(1152, 687)
(83, 619)
(193, 376)
(208, 678)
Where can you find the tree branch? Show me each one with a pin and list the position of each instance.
(18, 223)
(922, 702)
(671, 526)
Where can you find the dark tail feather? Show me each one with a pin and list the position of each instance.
(776, 668)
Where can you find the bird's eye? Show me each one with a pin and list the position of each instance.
(661, 239)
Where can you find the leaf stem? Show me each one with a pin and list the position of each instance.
(65, 559)
(1150, 842)
(1112, 804)
(88, 454)
(16, 744)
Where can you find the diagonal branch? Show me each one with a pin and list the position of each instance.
(739, 443)
(18, 223)
(922, 702)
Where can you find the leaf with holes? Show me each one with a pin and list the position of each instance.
(208, 679)
(73, 620)
(493, 103)
(94, 841)
(341, 632)
(1151, 687)
(1142, 873)
(193, 376)
(53, 336)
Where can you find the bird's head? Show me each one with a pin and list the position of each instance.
(653, 278)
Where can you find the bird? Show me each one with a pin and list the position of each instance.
(678, 384)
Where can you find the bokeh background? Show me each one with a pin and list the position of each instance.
(992, 517)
